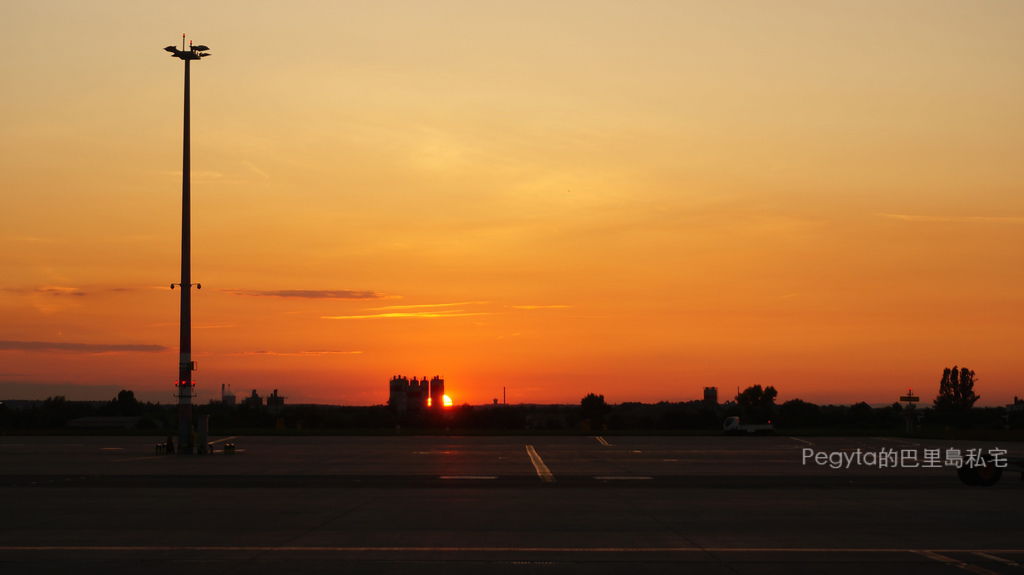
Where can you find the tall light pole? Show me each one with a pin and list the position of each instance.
(185, 363)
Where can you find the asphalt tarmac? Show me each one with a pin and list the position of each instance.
(592, 504)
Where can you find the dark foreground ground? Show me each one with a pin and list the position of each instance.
(498, 505)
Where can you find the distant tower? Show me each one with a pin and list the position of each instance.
(254, 400)
(436, 393)
(416, 395)
(227, 397)
(711, 395)
(397, 399)
(275, 402)
(423, 393)
(184, 383)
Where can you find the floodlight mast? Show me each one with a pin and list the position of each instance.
(185, 363)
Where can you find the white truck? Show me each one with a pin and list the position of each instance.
(732, 426)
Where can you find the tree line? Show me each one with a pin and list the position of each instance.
(952, 406)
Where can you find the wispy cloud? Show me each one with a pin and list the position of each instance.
(310, 293)
(307, 353)
(255, 169)
(197, 175)
(955, 219)
(49, 290)
(60, 291)
(7, 345)
(427, 305)
(411, 314)
(541, 307)
(194, 326)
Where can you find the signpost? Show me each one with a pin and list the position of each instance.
(910, 399)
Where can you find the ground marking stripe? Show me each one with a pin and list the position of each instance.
(933, 554)
(602, 441)
(538, 464)
(894, 440)
(801, 440)
(224, 439)
(996, 558)
(954, 562)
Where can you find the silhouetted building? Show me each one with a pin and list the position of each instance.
(410, 396)
(275, 402)
(711, 395)
(254, 400)
(396, 394)
(436, 393)
(1017, 405)
(227, 397)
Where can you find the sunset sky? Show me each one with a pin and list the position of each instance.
(637, 199)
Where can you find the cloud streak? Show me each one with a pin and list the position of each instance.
(310, 353)
(530, 307)
(955, 219)
(309, 293)
(49, 290)
(8, 345)
(426, 305)
(411, 314)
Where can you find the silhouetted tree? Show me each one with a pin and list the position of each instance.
(757, 403)
(861, 413)
(799, 413)
(755, 396)
(594, 409)
(956, 391)
(125, 403)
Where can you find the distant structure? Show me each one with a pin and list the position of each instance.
(1017, 405)
(410, 395)
(253, 400)
(227, 397)
(711, 395)
(186, 365)
(275, 402)
(436, 392)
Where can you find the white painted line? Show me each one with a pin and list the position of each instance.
(621, 477)
(224, 439)
(801, 440)
(894, 440)
(251, 548)
(996, 558)
(469, 477)
(954, 562)
(538, 464)
(602, 441)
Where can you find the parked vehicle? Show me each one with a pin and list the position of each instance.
(732, 426)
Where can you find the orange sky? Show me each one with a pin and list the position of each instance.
(634, 199)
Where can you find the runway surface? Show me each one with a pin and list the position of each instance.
(600, 504)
